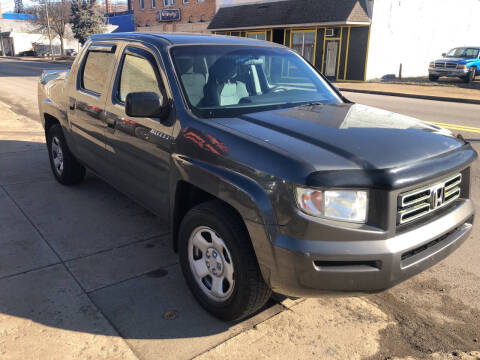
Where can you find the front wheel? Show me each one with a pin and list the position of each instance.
(219, 263)
(433, 77)
(470, 77)
(65, 167)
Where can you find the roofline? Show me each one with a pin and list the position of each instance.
(331, 23)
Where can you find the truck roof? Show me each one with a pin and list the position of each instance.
(182, 38)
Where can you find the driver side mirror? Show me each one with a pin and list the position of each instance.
(444, 54)
(146, 104)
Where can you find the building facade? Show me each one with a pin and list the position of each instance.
(18, 36)
(357, 40)
(173, 15)
(332, 35)
(413, 33)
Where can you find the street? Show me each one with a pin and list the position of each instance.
(94, 276)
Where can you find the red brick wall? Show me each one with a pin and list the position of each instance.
(195, 9)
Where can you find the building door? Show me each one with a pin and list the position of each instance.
(331, 58)
(303, 42)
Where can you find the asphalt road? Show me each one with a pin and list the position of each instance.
(18, 84)
(436, 311)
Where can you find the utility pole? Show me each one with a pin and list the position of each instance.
(49, 32)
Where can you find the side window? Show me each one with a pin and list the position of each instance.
(95, 70)
(137, 75)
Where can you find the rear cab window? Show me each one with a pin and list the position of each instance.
(96, 68)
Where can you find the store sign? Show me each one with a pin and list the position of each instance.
(168, 15)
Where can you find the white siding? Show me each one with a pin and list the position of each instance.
(415, 32)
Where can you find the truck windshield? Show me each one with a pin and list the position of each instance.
(469, 53)
(223, 80)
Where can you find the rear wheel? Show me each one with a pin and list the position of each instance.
(218, 262)
(433, 77)
(65, 167)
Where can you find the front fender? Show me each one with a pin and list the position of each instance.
(242, 193)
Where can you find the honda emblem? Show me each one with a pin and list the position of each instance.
(437, 197)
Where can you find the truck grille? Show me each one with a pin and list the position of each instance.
(445, 64)
(420, 202)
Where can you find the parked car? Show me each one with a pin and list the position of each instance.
(462, 62)
(269, 178)
(71, 52)
(27, 53)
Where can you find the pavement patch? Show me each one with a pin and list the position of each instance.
(24, 167)
(45, 315)
(330, 327)
(83, 220)
(119, 264)
(21, 247)
(427, 320)
(160, 319)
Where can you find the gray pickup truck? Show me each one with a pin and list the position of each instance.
(269, 178)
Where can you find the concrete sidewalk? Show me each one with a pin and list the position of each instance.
(85, 273)
(422, 91)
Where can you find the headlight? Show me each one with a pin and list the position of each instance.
(462, 67)
(347, 205)
(432, 65)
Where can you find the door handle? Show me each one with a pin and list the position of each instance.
(72, 103)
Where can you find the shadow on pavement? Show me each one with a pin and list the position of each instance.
(88, 259)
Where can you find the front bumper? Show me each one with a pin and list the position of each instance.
(309, 268)
(448, 72)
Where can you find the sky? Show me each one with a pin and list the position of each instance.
(7, 5)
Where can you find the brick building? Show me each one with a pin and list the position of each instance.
(173, 15)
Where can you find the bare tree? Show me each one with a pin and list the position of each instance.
(58, 16)
(19, 6)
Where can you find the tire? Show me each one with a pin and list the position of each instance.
(470, 76)
(433, 77)
(218, 230)
(66, 169)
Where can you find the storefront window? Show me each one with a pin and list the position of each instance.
(257, 35)
(303, 42)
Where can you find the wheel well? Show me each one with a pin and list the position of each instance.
(186, 197)
(49, 121)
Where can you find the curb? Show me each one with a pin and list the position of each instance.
(413, 96)
(19, 58)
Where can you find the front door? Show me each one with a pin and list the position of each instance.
(140, 147)
(86, 104)
(331, 59)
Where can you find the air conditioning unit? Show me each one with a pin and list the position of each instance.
(329, 32)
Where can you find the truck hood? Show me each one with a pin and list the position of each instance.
(461, 61)
(349, 135)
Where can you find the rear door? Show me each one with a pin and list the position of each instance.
(86, 104)
(140, 147)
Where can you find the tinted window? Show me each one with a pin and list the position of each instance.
(229, 80)
(138, 75)
(463, 53)
(96, 69)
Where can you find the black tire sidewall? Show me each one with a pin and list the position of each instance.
(56, 131)
(73, 172)
(233, 305)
